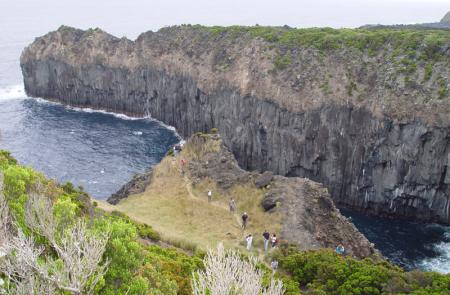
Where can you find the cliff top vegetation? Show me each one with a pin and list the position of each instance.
(431, 41)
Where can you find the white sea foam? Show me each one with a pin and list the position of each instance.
(441, 263)
(117, 115)
(18, 92)
(137, 132)
(12, 92)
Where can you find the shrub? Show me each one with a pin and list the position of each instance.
(281, 62)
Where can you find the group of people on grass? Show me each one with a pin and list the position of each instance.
(244, 217)
(266, 239)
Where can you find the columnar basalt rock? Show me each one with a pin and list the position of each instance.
(376, 138)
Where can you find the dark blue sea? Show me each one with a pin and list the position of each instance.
(102, 151)
(97, 150)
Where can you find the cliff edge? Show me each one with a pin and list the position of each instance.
(175, 202)
(365, 112)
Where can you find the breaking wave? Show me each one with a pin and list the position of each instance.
(12, 92)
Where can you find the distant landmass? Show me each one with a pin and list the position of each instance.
(443, 24)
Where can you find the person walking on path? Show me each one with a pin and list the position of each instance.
(183, 164)
(244, 220)
(209, 196)
(266, 237)
(232, 205)
(274, 240)
(274, 266)
(249, 240)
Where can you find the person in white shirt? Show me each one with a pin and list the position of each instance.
(274, 240)
(249, 240)
(209, 196)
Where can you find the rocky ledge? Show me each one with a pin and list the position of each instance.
(366, 113)
(309, 218)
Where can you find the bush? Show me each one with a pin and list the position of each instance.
(325, 272)
(281, 62)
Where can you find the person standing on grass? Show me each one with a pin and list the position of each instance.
(249, 240)
(209, 196)
(232, 205)
(244, 220)
(183, 164)
(274, 266)
(274, 240)
(266, 237)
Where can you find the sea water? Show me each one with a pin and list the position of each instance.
(101, 151)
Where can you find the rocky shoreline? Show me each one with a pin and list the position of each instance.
(383, 157)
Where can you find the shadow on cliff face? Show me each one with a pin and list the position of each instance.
(368, 161)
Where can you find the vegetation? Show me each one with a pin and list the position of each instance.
(132, 267)
(430, 42)
(325, 272)
(130, 262)
(227, 273)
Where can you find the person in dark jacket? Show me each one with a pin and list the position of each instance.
(244, 220)
(266, 237)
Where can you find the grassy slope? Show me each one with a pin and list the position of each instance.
(180, 211)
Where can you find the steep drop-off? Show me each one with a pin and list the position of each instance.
(365, 112)
(174, 202)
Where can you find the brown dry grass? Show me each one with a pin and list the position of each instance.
(181, 213)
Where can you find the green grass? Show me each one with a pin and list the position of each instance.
(402, 41)
(179, 210)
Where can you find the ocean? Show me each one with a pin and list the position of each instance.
(101, 151)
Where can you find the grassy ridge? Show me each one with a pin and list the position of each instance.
(430, 42)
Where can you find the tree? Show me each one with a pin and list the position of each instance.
(227, 274)
(74, 266)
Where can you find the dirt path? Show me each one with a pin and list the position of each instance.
(188, 185)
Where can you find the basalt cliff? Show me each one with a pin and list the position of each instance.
(365, 112)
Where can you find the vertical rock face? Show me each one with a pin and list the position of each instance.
(369, 161)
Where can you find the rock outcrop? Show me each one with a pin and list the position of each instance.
(371, 124)
(135, 186)
(309, 217)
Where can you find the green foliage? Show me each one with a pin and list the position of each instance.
(17, 182)
(143, 230)
(175, 266)
(281, 62)
(370, 40)
(6, 159)
(428, 72)
(170, 153)
(65, 211)
(147, 232)
(135, 268)
(214, 130)
(325, 272)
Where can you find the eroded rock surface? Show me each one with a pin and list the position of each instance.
(376, 137)
(135, 186)
(309, 216)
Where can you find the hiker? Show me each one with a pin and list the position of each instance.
(209, 196)
(274, 240)
(175, 149)
(249, 240)
(183, 164)
(232, 205)
(266, 237)
(274, 266)
(244, 220)
(340, 249)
